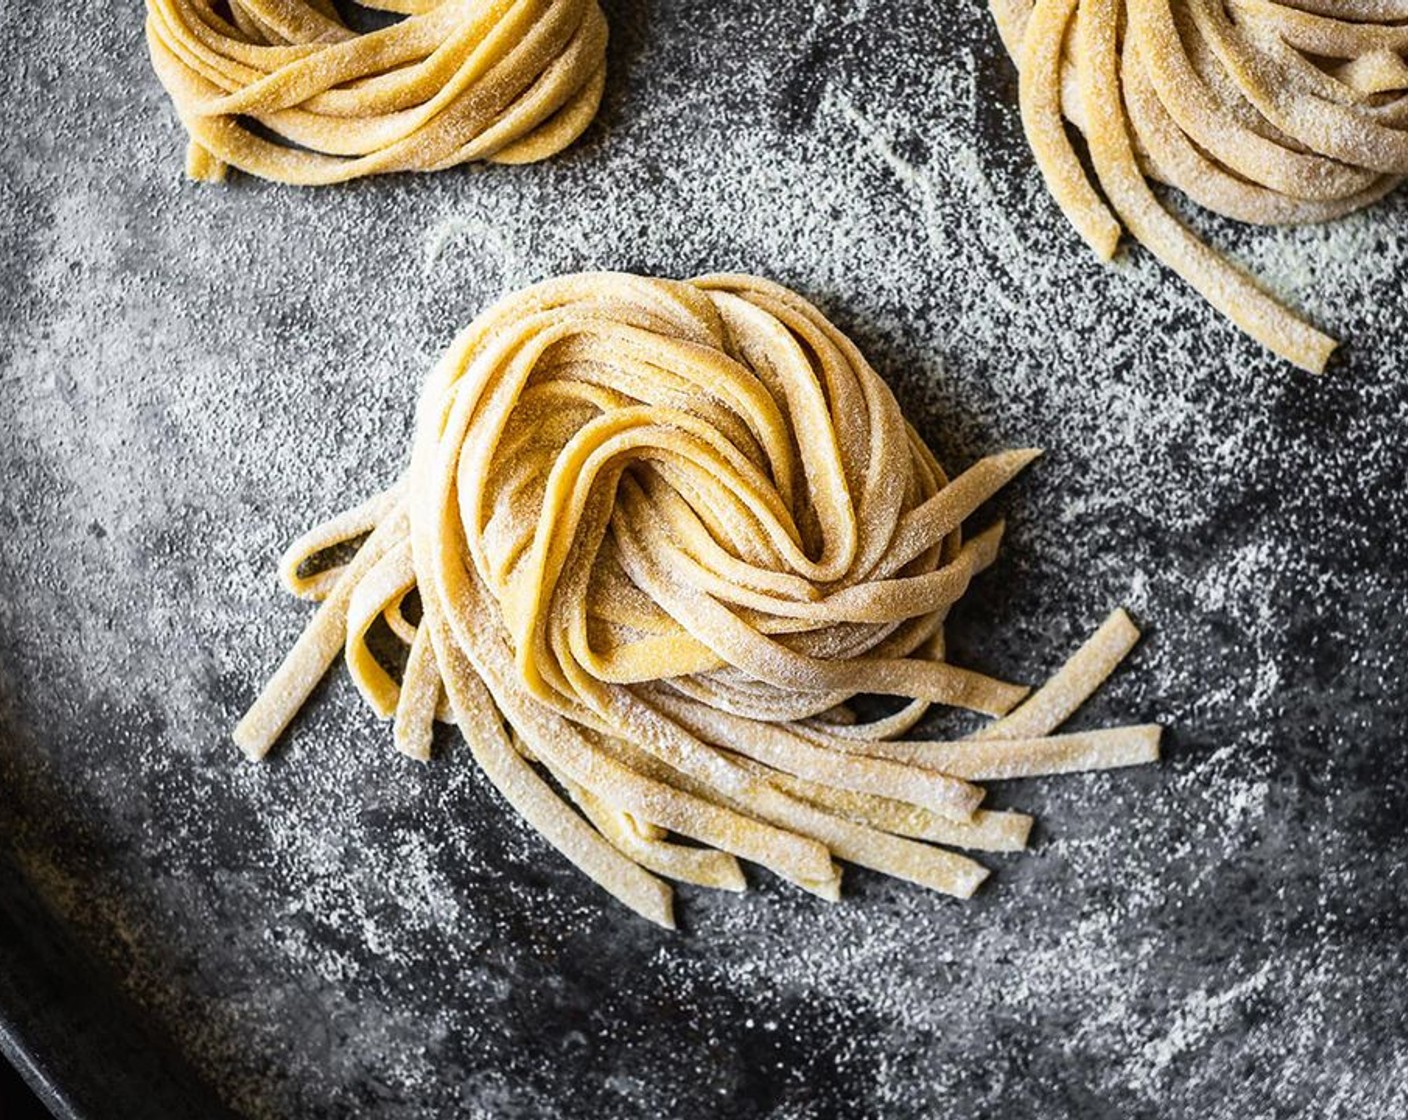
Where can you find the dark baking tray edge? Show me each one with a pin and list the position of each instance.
(85, 1049)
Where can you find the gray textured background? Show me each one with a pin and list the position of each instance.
(194, 374)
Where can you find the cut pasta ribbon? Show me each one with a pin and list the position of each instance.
(1268, 112)
(662, 534)
(510, 81)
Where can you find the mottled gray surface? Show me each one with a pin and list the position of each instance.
(193, 374)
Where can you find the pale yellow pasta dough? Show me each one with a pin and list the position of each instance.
(662, 534)
(1264, 111)
(509, 81)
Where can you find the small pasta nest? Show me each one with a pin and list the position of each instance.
(1268, 111)
(510, 81)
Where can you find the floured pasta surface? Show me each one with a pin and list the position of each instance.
(1267, 112)
(662, 534)
(509, 81)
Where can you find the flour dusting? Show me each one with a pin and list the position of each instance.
(192, 375)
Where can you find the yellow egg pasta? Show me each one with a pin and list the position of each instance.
(1267, 111)
(662, 535)
(510, 81)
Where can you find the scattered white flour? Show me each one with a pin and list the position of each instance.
(192, 375)
(1200, 1017)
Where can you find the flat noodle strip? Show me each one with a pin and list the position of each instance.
(989, 830)
(704, 867)
(1046, 129)
(509, 81)
(420, 695)
(316, 648)
(630, 552)
(1073, 684)
(1266, 112)
(1000, 759)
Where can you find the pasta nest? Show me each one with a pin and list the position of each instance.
(1267, 111)
(663, 534)
(284, 89)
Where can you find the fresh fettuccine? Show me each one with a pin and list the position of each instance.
(662, 534)
(509, 81)
(1267, 111)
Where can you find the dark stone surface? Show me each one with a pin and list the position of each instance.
(190, 375)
